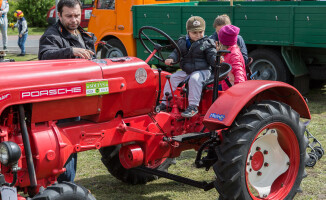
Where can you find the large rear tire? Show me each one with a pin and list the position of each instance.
(64, 191)
(263, 154)
(110, 158)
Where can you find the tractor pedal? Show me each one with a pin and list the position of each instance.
(190, 136)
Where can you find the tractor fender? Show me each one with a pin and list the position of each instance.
(225, 109)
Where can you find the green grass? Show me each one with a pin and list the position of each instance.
(27, 57)
(31, 31)
(93, 175)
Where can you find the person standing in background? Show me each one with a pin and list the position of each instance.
(22, 30)
(4, 9)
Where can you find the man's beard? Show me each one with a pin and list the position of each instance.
(72, 28)
(69, 27)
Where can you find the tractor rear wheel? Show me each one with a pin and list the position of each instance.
(64, 191)
(263, 154)
(110, 158)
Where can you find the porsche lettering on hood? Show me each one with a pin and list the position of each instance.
(51, 92)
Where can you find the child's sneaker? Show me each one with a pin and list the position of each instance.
(190, 111)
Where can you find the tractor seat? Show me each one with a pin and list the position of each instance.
(224, 70)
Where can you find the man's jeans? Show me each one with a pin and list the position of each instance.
(21, 42)
(71, 167)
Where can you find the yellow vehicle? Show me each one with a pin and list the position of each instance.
(111, 22)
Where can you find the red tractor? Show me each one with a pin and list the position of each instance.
(251, 134)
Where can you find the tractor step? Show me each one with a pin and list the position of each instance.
(190, 136)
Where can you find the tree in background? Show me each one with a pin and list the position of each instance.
(35, 11)
(12, 8)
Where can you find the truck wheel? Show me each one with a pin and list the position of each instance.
(110, 158)
(117, 50)
(64, 191)
(269, 65)
(263, 154)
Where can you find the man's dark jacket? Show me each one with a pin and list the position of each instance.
(200, 56)
(57, 43)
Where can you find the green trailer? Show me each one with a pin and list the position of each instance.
(287, 40)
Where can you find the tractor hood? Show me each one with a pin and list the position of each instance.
(76, 87)
(36, 73)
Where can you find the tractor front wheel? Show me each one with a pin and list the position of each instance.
(263, 154)
(64, 191)
(110, 158)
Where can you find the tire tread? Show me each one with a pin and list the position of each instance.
(230, 152)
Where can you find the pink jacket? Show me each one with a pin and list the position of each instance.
(238, 72)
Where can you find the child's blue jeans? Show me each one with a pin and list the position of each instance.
(21, 42)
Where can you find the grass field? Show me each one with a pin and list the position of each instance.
(93, 175)
(27, 57)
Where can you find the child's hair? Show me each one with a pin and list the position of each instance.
(220, 46)
(222, 20)
(195, 23)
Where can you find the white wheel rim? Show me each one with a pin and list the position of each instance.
(266, 162)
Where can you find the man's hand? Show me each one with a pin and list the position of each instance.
(168, 61)
(20, 35)
(82, 53)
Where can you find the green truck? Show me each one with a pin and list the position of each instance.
(287, 40)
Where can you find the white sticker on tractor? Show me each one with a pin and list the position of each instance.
(141, 75)
(97, 88)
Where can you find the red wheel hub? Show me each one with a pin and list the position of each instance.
(257, 160)
(131, 156)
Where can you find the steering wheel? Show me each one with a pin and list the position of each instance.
(158, 47)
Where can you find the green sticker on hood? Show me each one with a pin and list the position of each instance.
(97, 88)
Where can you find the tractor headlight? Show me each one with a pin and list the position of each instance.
(9, 153)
